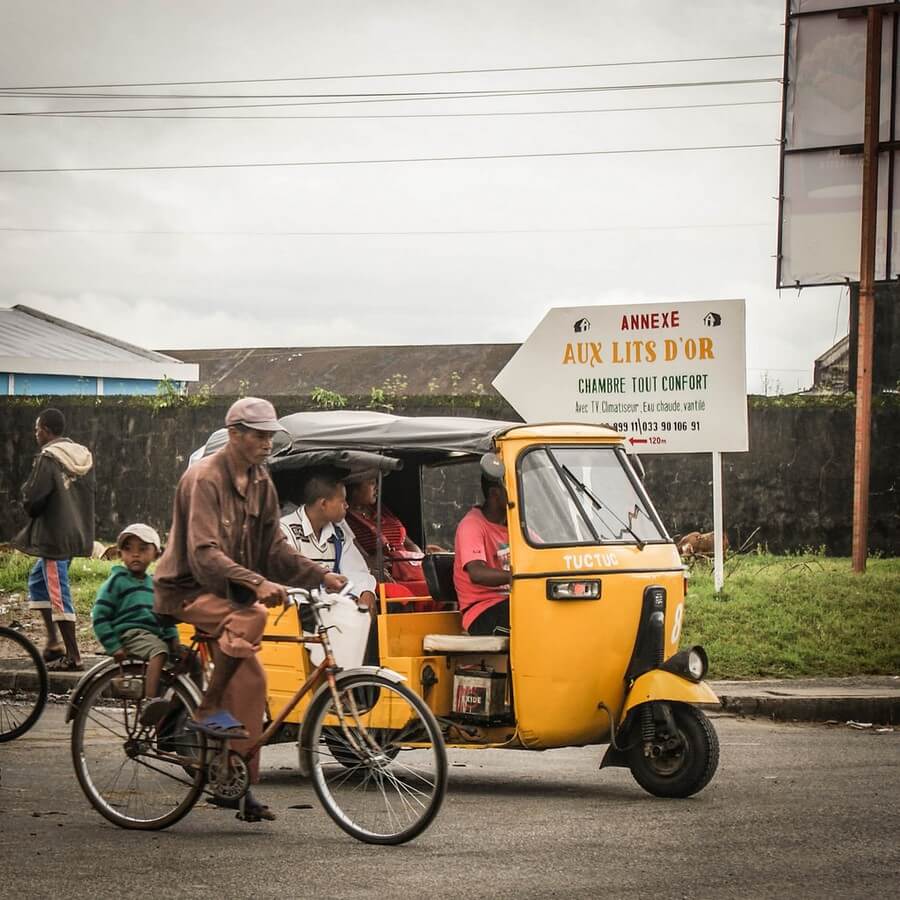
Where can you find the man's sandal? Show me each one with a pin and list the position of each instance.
(249, 809)
(220, 725)
(52, 653)
(64, 664)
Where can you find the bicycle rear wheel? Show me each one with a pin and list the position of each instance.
(379, 767)
(24, 693)
(136, 776)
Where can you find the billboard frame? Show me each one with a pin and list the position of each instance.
(889, 147)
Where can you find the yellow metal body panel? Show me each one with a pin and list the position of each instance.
(660, 685)
(567, 656)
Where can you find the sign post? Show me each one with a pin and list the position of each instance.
(670, 377)
(863, 429)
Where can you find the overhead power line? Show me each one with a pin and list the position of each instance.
(460, 115)
(365, 162)
(396, 95)
(484, 71)
(462, 231)
(385, 98)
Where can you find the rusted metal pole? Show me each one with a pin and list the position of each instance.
(865, 341)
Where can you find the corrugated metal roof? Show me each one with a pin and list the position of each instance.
(404, 370)
(33, 341)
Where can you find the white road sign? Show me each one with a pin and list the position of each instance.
(670, 376)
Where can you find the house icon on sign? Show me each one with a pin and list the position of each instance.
(711, 320)
(582, 325)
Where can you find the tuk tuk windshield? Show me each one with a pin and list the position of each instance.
(583, 495)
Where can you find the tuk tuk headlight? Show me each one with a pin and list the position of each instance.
(697, 663)
(692, 663)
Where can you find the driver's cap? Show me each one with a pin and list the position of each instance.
(253, 412)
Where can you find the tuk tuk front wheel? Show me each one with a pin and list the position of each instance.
(679, 764)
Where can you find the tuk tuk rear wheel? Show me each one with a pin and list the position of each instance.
(682, 770)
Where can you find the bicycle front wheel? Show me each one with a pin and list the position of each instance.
(23, 693)
(137, 776)
(376, 758)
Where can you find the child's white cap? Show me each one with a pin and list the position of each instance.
(144, 532)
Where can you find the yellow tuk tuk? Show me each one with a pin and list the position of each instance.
(596, 597)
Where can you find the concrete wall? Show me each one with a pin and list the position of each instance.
(795, 484)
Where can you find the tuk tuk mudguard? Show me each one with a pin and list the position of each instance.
(655, 686)
(660, 685)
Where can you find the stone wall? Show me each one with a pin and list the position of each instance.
(795, 484)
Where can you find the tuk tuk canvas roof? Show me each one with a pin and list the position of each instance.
(364, 430)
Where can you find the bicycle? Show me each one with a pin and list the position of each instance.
(22, 703)
(371, 746)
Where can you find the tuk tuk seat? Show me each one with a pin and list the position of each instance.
(465, 643)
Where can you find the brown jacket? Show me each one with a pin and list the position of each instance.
(59, 500)
(221, 538)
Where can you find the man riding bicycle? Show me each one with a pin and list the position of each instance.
(225, 562)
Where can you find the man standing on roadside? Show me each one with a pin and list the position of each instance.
(225, 562)
(59, 500)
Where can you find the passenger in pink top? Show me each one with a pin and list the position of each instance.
(481, 564)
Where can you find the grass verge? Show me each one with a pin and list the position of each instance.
(788, 616)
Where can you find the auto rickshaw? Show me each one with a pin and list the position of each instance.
(596, 597)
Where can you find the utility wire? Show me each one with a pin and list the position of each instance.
(387, 95)
(464, 231)
(392, 98)
(603, 65)
(360, 162)
(462, 115)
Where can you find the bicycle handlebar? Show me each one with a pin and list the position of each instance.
(316, 597)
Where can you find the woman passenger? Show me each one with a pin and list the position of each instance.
(402, 556)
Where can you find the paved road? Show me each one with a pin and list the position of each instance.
(795, 811)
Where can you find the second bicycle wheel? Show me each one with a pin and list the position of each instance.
(136, 776)
(379, 767)
(24, 694)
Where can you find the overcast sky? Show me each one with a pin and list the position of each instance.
(561, 231)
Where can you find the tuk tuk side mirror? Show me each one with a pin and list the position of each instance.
(492, 466)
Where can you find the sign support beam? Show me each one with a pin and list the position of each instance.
(863, 431)
(718, 529)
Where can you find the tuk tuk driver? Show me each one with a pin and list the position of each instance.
(320, 532)
(226, 561)
(481, 573)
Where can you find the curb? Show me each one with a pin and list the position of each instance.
(57, 682)
(877, 710)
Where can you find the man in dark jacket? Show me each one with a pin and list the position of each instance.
(59, 500)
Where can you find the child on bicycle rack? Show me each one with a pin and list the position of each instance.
(123, 616)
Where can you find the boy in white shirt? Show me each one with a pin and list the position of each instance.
(319, 531)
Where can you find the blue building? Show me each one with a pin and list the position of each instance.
(40, 354)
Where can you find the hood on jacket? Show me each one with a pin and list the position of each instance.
(74, 458)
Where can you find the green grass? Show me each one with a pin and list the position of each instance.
(806, 615)
(778, 616)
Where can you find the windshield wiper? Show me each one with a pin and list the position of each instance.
(598, 505)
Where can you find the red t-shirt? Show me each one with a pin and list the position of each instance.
(478, 538)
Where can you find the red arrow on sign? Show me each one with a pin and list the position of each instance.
(637, 441)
